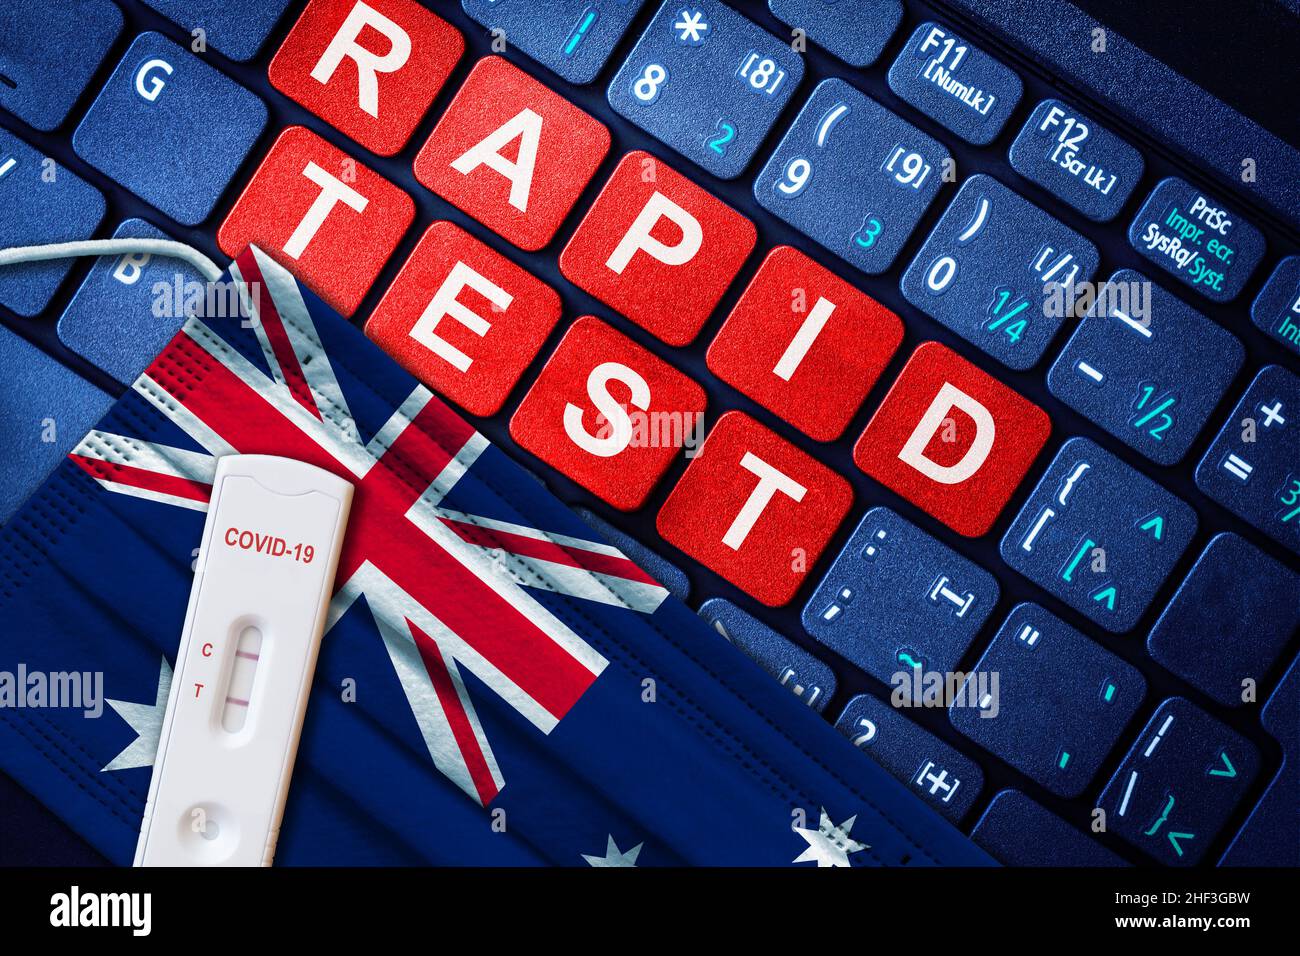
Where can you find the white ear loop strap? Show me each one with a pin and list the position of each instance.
(112, 247)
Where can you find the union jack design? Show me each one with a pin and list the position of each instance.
(447, 590)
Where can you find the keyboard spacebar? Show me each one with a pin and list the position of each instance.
(1204, 129)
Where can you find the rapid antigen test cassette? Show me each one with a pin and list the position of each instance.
(244, 668)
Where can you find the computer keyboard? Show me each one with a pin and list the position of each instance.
(61, 204)
(818, 183)
(1099, 535)
(1250, 468)
(857, 213)
(1152, 383)
(1276, 310)
(865, 608)
(167, 149)
(1183, 640)
(1183, 776)
(945, 778)
(1057, 738)
(1076, 159)
(971, 276)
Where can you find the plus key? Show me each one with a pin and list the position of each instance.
(1253, 466)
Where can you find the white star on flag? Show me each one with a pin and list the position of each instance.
(613, 856)
(146, 720)
(829, 845)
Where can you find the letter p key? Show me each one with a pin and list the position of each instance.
(660, 250)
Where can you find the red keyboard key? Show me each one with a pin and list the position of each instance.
(805, 344)
(755, 509)
(658, 248)
(952, 439)
(369, 69)
(512, 154)
(329, 219)
(464, 319)
(609, 414)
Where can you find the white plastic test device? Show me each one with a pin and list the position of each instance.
(244, 668)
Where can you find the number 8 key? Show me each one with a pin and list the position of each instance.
(707, 82)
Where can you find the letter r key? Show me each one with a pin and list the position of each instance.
(370, 69)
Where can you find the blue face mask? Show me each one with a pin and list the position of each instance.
(495, 686)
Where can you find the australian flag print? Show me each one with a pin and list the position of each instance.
(495, 686)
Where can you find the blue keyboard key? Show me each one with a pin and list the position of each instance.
(1179, 783)
(852, 176)
(40, 202)
(945, 779)
(1060, 703)
(1146, 367)
(1270, 836)
(806, 677)
(1077, 160)
(129, 306)
(854, 32)
(707, 82)
(1016, 831)
(235, 27)
(572, 38)
(899, 603)
(45, 409)
(999, 272)
(661, 569)
(1098, 535)
(170, 128)
(1197, 239)
(955, 83)
(1276, 310)
(1229, 620)
(1253, 467)
(49, 49)
(1279, 714)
